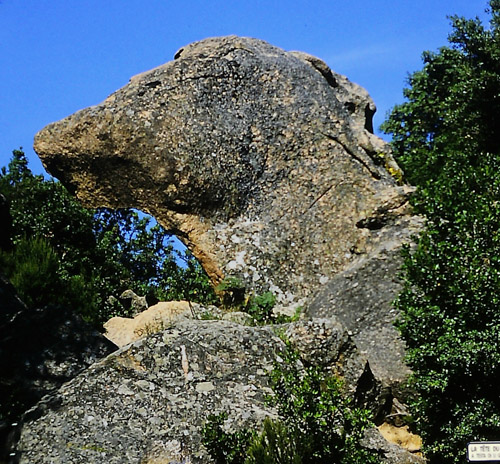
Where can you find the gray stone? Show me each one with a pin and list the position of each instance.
(239, 317)
(133, 304)
(326, 343)
(390, 452)
(195, 368)
(261, 161)
(141, 400)
(361, 297)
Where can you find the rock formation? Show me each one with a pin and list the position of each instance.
(132, 303)
(124, 330)
(148, 401)
(261, 161)
(361, 298)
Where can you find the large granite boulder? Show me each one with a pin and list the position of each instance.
(148, 401)
(261, 161)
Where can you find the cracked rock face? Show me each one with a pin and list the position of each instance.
(261, 161)
(361, 298)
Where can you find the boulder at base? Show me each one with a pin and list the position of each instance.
(148, 401)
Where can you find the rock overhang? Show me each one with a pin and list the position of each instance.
(260, 160)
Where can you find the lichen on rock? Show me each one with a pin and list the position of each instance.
(159, 391)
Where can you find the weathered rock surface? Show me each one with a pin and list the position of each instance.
(326, 343)
(133, 304)
(40, 349)
(43, 349)
(264, 164)
(361, 298)
(148, 401)
(391, 451)
(402, 436)
(260, 160)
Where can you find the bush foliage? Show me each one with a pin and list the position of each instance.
(66, 254)
(223, 446)
(317, 423)
(446, 136)
(234, 296)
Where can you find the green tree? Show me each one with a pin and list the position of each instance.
(33, 269)
(319, 424)
(45, 209)
(49, 229)
(223, 446)
(446, 137)
(453, 103)
(450, 312)
(100, 253)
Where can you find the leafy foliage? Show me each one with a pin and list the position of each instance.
(33, 268)
(451, 311)
(447, 138)
(232, 291)
(225, 447)
(260, 307)
(89, 255)
(453, 103)
(274, 445)
(318, 425)
(322, 425)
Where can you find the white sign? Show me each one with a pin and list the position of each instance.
(483, 451)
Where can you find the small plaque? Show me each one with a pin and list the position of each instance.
(483, 451)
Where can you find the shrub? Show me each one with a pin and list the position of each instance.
(450, 312)
(274, 445)
(446, 136)
(85, 257)
(318, 424)
(33, 269)
(225, 447)
(232, 292)
(322, 423)
(261, 307)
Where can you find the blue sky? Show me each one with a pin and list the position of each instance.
(59, 56)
